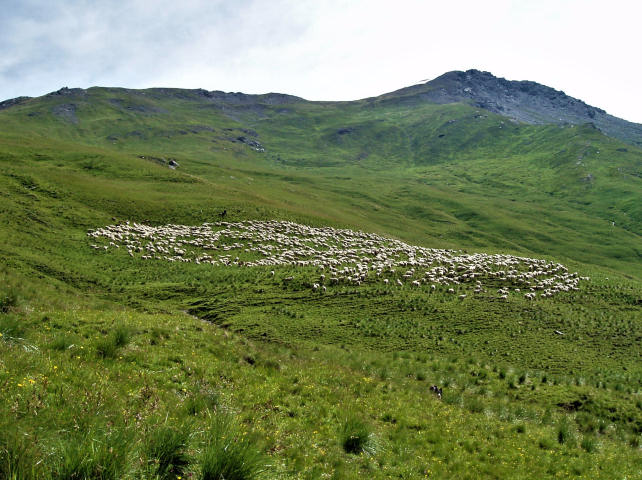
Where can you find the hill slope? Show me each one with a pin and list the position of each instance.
(121, 358)
(453, 174)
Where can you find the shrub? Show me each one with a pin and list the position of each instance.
(229, 455)
(357, 437)
(165, 451)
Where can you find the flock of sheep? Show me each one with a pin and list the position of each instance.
(341, 256)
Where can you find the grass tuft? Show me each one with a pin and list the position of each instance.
(545, 444)
(565, 434)
(108, 347)
(61, 342)
(357, 437)
(11, 328)
(165, 451)
(121, 335)
(94, 456)
(230, 455)
(200, 401)
(16, 456)
(9, 300)
(589, 444)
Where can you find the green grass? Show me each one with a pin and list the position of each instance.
(229, 455)
(116, 367)
(295, 414)
(109, 346)
(91, 454)
(357, 437)
(165, 450)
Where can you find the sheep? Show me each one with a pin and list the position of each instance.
(347, 255)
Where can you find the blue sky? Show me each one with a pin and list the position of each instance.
(324, 49)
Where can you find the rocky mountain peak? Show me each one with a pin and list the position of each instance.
(521, 101)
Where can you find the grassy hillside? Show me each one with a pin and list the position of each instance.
(103, 357)
(438, 175)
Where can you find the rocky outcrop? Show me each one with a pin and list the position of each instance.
(12, 102)
(521, 101)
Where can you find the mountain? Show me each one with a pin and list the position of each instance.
(427, 156)
(162, 303)
(521, 101)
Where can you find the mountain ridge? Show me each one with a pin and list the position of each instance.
(522, 101)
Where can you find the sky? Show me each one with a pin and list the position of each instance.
(322, 49)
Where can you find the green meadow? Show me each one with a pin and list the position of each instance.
(115, 367)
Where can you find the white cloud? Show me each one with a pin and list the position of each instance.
(330, 50)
